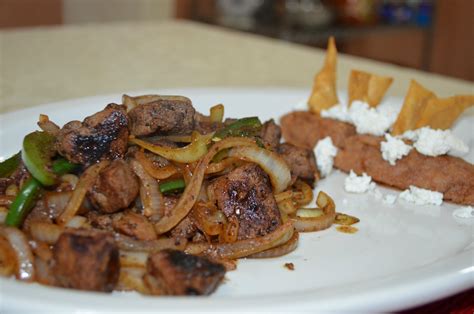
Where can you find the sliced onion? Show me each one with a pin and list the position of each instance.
(151, 197)
(221, 165)
(243, 248)
(3, 214)
(45, 231)
(158, 173)
(287, 206)
(191, 192)
(217, 113)
(288, 194)
(7, 258)
(208, 218)
(280, 250)
(133, 258)
(6, 200)
(24, 256)
(305, 196)
(86, 181)
(271, 163)
(76, 222)
(129, 244)
(190, 153)
(230, 232)
(47, 125)
(44, 273)
(131, 279)
(56, 202)
(308, 224)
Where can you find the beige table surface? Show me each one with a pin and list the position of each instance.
(41, 65)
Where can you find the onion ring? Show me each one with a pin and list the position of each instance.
(326, 204)
(280, 250)
(24, 255)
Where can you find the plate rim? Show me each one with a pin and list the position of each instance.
(447, 283)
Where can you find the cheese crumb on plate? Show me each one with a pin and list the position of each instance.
(421, 196)
(358, 184)
(325, 152)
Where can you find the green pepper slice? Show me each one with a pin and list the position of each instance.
(172, 186)
(245, 127)
(38, 149)
(8, 166)
(26, 198)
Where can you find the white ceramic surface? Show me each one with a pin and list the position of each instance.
(403, 255)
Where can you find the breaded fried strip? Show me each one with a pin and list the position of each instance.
(454, 177)
(305, 129)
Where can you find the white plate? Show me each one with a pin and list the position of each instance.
(402, 255)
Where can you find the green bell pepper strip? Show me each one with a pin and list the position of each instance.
(23, 203)
(38, 149)
(244, 127)
(172, 186)
(26, 198)
(8, 166)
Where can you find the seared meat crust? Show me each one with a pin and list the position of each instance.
(86, 259)
(177, 273)
(301, 161)
(103, 135)
(246, 193)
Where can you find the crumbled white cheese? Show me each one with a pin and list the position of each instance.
(369, 120)
(325, 152)
(358, 184)
(421, 196)
(393, 149)
(337, 112)
(389, 199)
(432, 142)
(464, 212)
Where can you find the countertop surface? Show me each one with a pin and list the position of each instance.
(48, 64)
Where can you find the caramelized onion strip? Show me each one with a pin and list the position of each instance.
(308, 224)
(86, 181)
(191, 192)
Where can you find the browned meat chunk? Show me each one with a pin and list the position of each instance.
(451, 176)
(86, 259)
(301, 161)
(174, 272)
(186, 229)
(204, 125)
(103, 135)
(271, 134)
(134, 225)
(246, 193)
(170, 115)
(305, 129)
(115, 188)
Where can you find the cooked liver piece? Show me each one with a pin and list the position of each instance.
(246, 193)
(86, 259)
(271, 134)
(449, 175)
(177, 273)
(174, 115)
(301, 161)
(305, 129)
(115, 188)
(103, 135)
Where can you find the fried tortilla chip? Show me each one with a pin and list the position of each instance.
(442, 113)
(413, 106)
(367, 87)
(324, 93)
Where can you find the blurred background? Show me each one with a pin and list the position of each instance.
(434, 36)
